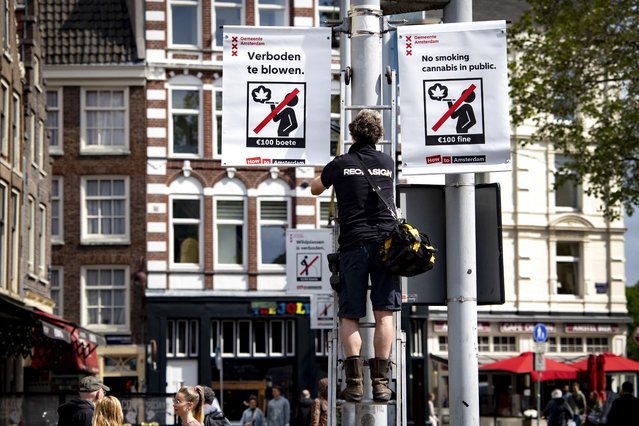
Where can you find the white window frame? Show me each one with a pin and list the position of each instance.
(35, 66)
(40, 145)
(243, 222)
(6, 27)
(198, 18)
(572, 186)
(283, 9)
(241, 5)
(279, 351)
(4, 233)
(56, 145)
(244, 338)
(232, 338)
(84, 288)
(57, 182)
(184, 221)
(321, 221)
(574, 260)
(263, 336)
(327, 9)
(261, 222)
(42, 243)
(16, 132)
(58, 309)
(504, 344)
(31, 235)
(15, 241)
(5, 117)
(87, 238)
(102, 149)
(571, 344)
(198, 113)
(217, 118)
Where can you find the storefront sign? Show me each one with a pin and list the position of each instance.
(280, 308)
(442, 327)
(455, 111)
(591, 328)
(276, 104)
(523, 327)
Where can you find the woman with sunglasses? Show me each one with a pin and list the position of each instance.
(188, 404)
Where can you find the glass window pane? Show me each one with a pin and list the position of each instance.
(184, 22)
(230, 244)
(273, 244)
(269, 18)
(273, 210)
(186, 209)
(185, 134)
(225, 16)
(186, 244)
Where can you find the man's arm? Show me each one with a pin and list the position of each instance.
(317, 187)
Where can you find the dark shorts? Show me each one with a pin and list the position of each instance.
(356, 264)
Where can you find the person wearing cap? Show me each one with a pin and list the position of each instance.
(558, 411)
(79, 411)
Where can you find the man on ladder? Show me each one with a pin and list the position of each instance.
(364, 222)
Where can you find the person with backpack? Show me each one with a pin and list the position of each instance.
(213, 415)
(557, 411)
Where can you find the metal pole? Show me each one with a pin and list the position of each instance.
(461, 278)
(538, 397)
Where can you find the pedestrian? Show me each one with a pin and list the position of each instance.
(252, 416)
(213, 415)
(304, 407)
(319, 414)
(188, 405)
(625, 407)
(577, 402)
(278, 410)
(79, 411)
(108, 412)
(364, 222)
(558, 411)
(594, 407)
(432, 416)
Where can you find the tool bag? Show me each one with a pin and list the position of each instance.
(406, 251)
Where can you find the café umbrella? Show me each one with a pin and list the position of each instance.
(523, 364)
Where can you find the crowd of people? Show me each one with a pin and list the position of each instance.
(572, 408)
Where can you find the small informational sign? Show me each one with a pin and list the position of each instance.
(306, 265)
(322, 311)
(540, 361)
(540, 333)
(455, 111)
(276, 96)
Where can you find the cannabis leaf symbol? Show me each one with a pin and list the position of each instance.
(437, 92)
(261, 94)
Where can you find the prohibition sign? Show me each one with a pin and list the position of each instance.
(456, 105)
(277, 109)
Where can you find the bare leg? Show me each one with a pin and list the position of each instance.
(351, 338)
(384, 334)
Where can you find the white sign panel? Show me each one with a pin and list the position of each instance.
(276, 96)
(306, 265)
(322, 311)
(454, 98)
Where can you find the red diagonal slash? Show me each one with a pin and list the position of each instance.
(452, 109)
(276, 110)
(309, 265)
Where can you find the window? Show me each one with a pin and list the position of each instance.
(3, 235)
(31, 236)
(567, 189)
(568, 266)
(54, 120)
(552, 344)
(16, 134)
(325, 218)
(106, 297)
(42, 242)
(483, 343)
(273, 224)
(15, 240)
(272, 13)
(417, 347)
(57, 290)
(504, 344)
(185, 23)
(186, 220)
(443, 343)
(257, 338)
(105, 210)
(105, 121)
(230, 225)
(4, 121)
(228, 12)
(217, 92)
(182, 338)
(6, 24)
(328, 10)
(185, 121)
(56, 210)
(597, 345)
(571, 344)
(35, 67)
(321, 342)
(40, 145)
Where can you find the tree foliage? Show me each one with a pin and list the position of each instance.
(576, 76)
(632, 294)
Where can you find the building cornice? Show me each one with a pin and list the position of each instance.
(107, 75)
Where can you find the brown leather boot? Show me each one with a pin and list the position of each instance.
(379, 377)
(353, 369)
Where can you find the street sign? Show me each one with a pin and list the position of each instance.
(306, 265)
(540, 333)
(322, 311)
(456, 117)
(276, 103)
(539, 361)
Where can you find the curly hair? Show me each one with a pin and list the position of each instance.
(366, 127)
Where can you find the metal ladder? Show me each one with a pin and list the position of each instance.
(350, 413)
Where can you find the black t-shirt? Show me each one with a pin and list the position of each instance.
(363, 217)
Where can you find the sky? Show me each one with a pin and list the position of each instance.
(632, 248)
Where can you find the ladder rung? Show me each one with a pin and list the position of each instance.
(381, 107)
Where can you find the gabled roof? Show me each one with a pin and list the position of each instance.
(79, 32)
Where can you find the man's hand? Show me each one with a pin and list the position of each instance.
(317, 187)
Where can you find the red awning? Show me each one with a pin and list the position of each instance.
(62, 345)
(611, 363)
(523, 364)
